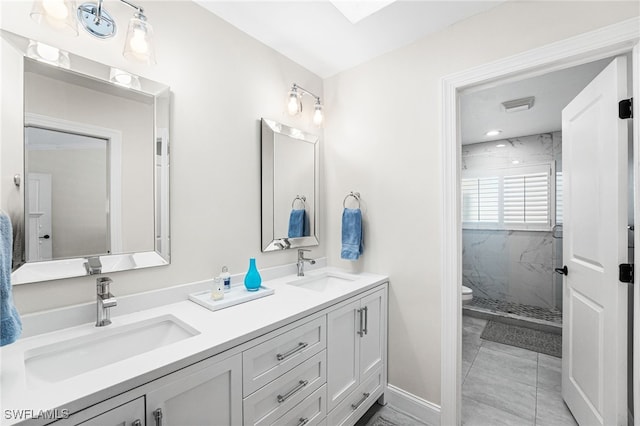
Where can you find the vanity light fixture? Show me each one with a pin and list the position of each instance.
(500, 145)
(294, 103)
(495, 132)
(139, 45)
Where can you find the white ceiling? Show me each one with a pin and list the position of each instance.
(481, 111)
(316, 35)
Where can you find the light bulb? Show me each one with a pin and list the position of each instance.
(293, 105)
(138, 42)
(317, 115)
(56, 9)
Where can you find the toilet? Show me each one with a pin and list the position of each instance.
(467, 295)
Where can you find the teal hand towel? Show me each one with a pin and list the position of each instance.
(10, 324)
(296, 223)
(351, 234)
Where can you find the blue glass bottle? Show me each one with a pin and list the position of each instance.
(253, 279)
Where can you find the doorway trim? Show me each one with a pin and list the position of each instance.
(619, 38)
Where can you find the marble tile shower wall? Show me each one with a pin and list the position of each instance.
(516, 266)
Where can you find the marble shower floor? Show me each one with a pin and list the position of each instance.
(505, 385)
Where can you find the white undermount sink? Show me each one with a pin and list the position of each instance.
(62, 360)
(323, 281)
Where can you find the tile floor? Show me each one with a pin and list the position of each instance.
(506, 385)
(501, 385)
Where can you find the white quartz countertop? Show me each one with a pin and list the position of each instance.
(218, 331)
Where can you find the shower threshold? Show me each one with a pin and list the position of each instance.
(534, 317)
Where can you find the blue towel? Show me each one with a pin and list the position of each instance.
(296, 223)
(351, 234)
(10, 324)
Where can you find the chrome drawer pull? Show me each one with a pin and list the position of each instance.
(359, 403)
(301, 384)
(157, 415)
(298, 348)
(360, 331)
(303, 421)
(366, 319)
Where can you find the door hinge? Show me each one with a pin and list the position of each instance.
(625, 108)
(626, 273)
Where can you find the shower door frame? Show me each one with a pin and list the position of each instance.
(616, 39)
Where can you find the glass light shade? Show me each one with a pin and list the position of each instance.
(293, 103)
(48, 54)
(139, 45)
(318, 117)
(125, 79)
(59, 14)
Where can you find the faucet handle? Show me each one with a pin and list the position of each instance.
(102, 285)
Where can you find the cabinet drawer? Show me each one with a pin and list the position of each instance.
(358, 402)
(310, 412)
(272, 401)
(266, 361)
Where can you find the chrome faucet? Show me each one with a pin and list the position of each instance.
(105, 301)
(301, 260)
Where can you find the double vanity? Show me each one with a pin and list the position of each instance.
(312, 353)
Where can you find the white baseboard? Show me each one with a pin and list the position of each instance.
(412, 405)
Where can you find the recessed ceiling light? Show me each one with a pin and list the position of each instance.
(495, 132)
(516, 105)
(515, 162)
(500, 145)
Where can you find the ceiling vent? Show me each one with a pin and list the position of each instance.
(519, 104)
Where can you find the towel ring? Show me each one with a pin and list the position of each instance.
(302, 198)
(355, 195)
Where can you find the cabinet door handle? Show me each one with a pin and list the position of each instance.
(303, 421)
(366, 319)
(293, 351)
(301, 384)
(360, 330)
(359, 403)
(136, 422)
(157, 415)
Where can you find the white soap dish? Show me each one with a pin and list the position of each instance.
(234, 296)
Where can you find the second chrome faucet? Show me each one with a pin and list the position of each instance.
(301, 260)
(104, 301)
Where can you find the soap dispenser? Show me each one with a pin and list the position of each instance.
(225, 276)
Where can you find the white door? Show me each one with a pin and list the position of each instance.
(594, 341)
(39, 238)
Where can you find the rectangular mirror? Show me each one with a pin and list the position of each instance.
(290, 184)
(90, 188)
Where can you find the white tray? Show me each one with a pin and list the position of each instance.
(234, 296)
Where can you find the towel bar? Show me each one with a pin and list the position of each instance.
(302, 198)
(355, 195)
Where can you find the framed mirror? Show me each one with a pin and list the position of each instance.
(90, 176)
(290, 187)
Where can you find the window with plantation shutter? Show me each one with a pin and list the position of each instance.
(559, 210)
(526, 199)
(480, 200)
(517, 198)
